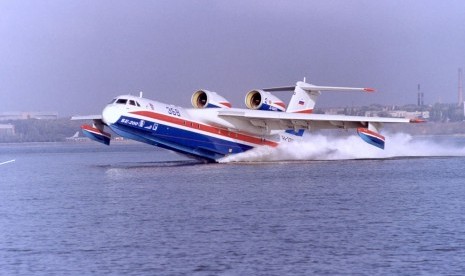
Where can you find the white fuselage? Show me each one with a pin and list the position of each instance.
(197, 132)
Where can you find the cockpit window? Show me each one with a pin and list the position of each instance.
(112, 101)
(126, 102)
(121, 101)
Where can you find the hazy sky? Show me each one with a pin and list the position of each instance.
(75, 56)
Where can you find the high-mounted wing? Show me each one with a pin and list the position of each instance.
(283, 121)
(367, 127)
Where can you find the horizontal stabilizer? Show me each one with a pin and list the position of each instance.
(96, 134)
(311, 87)
(371, 137)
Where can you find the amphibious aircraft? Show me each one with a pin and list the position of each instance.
(213, 129)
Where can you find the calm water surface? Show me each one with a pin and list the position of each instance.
(85, 209)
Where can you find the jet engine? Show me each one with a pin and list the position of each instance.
(208, 99)
(262, 100)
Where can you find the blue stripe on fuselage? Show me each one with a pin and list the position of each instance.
(180, 140)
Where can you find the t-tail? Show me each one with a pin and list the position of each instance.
(304, 99)
(305, 95)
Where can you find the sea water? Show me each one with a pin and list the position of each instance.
(131, 209)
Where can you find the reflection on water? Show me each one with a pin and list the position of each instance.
(159, 164)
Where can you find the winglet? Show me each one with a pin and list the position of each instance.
(369, 89)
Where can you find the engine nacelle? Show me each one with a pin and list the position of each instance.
(208, 99)
(262, 100)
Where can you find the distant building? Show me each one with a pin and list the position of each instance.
(77, 138)
(28, 115)
(418, 114)
(7, 130)
(399, 114)
(334, 111)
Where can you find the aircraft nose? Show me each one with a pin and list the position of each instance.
(110, 114)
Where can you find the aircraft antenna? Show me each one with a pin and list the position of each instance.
(141, 94)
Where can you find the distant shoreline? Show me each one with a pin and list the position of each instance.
(61, 131)
(113, 142)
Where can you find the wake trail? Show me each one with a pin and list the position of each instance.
(320, 147)
(7, 162)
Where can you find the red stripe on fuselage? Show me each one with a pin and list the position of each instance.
(206, 128)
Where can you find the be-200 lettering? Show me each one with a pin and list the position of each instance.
(129, 122)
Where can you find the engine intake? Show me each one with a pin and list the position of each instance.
(262, 100)
(208, 99)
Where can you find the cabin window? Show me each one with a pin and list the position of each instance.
(121, 101)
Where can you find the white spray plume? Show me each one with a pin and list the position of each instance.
(320, 147)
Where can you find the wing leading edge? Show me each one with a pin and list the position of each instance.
(284, 121)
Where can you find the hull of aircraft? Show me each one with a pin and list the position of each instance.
(196, 139)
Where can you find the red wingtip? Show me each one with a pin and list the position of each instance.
(417, 120)
(369, 89)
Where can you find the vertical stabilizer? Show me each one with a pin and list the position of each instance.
(303, 101)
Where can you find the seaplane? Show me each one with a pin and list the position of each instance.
(212, 129)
